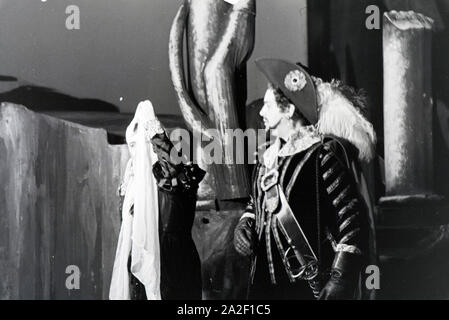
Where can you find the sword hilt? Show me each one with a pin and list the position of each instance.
(308, 270)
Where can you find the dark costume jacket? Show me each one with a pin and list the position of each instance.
(180, 262)
(316, 178)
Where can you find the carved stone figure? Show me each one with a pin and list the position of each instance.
(220, 39)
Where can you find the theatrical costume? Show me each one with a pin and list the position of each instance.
(156, 257)
(309, 219)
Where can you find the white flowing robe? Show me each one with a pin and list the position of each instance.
(139, 233)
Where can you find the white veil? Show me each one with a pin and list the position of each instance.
(139, 233)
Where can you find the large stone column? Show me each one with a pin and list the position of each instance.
(408, 105)
(412, 229)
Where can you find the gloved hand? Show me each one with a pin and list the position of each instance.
(244, 237)
(162, 146)
(344, 277)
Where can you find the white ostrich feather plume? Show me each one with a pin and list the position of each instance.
(340, 116)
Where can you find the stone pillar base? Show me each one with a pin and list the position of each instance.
(413, 242)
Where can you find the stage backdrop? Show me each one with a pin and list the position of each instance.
(120, 53)
(58, 206)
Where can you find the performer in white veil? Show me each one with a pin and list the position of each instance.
(157, 217)
(139, 234)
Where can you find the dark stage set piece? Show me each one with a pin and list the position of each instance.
(62, 159)
(410, 178)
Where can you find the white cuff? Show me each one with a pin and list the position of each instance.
(347, 248)
(248, 215)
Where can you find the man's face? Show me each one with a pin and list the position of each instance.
(271, 113)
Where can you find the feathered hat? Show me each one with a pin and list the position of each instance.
(333, 108)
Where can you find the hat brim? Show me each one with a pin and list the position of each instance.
(305, 99)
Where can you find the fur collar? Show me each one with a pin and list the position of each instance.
(340, 115)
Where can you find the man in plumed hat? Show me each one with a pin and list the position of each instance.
(306, 228)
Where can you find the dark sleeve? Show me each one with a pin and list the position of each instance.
(344, 198)
(185, 178)
(173, 177)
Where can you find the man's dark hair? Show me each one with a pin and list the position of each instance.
(284, 103)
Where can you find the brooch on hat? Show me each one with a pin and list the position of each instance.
(295, 80)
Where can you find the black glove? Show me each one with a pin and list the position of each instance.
(244, 237)
(162, 146)
(344, 277)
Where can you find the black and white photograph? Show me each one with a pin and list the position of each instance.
(240, 151)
